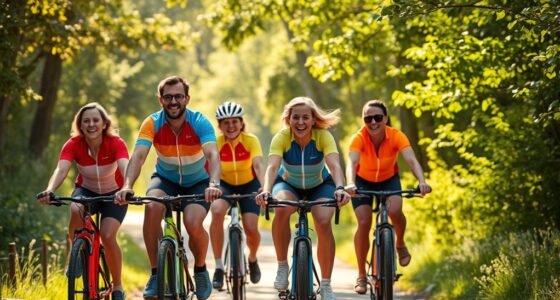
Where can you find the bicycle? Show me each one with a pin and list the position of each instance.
(381, 276)
(236, 266)
(173, 277)
(87, 257)
(303, 266)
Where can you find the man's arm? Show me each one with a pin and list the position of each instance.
(132, 172)
(212, 155)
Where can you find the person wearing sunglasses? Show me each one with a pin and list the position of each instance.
(188, 163)
(372, 165)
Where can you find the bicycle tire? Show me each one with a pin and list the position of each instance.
(187, 284)
(236, 260)
(303, 271)
(387, 269)
(78, 289)
(103, 276)
(166, 271)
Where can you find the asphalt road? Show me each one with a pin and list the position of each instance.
(343, 277)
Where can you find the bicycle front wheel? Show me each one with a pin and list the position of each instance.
(237, 265)
(166, 271)
(78, 287)
(387, 269)
(303, 271)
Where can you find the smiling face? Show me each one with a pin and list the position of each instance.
(301, 122)
(92, 124)
(374, 127)
(231, 127)
(174, 101)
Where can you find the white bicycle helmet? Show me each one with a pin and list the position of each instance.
(229, 110)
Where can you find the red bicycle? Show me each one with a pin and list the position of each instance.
(88, 273)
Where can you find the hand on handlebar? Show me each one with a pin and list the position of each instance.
(120, 196)
(342, 197)
(262, 198)
(212, 193)
(424, 188)
(44, 197)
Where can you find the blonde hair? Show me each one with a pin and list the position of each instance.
(108, 130)
(323, 119)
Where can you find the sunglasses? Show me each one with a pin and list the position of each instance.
(169, 97)
(377, 118)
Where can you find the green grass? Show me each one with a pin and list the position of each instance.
(29, 282)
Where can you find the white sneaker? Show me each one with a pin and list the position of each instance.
(281, 282)
(326, 292)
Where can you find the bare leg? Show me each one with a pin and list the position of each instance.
(113, 254)
(397, 218)
(361, 238)
(322, 217)
(153, 214)
(193, 217)
(218, 209)
(251, 227)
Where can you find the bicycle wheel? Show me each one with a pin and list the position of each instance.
(78, 287)
(186, 282)
(303, 271)
(236, 260)
(103, 276)
(166, 271)
(387, 270)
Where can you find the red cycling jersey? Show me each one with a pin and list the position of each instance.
(98, 174)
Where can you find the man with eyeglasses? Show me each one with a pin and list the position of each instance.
(185, 142)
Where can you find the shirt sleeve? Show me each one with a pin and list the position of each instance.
(68, 150)
(277, 144)
(119, 148)
(401, 140)
(326, 142)
(255, 145)
(204, 129)
(356, 143)
(147, 132)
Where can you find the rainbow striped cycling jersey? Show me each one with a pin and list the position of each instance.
(237, 158)
(179, 156)
(99, 174)
(303, 168)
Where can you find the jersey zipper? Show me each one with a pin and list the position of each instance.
(96, 169)
(302, 167)
(234, 164)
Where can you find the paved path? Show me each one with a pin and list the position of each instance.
(342, 279)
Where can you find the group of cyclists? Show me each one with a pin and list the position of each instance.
(303, 163)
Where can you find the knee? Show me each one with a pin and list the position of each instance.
(194, 228)
(109, 239)
(364, 223)
(251, 231)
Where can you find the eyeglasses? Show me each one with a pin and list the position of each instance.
(169, 97)
(377, 118)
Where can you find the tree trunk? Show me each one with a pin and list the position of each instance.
(41, 128)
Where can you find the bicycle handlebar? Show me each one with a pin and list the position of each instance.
(139, 200)
(409, 193)
(61, 200)
(236, 197)
(272, 202)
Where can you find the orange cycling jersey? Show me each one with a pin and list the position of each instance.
(237, 158)
(380, 165)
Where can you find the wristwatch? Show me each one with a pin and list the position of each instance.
(214, 183)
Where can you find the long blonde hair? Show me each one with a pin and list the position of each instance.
(108, 130)
(323, 119)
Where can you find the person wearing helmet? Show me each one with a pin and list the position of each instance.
(242, 173)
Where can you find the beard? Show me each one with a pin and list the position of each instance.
(178, 116)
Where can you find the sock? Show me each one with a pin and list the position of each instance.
(325, 282)
(219, 264)
(283, 264)
(200, 269)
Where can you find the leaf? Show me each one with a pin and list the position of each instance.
(500, 15)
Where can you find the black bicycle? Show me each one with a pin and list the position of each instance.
(235, 262)
(303, 267)
(382, 267)
(173, 277)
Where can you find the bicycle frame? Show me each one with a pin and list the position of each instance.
(172, 234)
(90, 233)
(235, 226)
(302, 236)
(376, 277)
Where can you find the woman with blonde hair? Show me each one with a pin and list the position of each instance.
(297, 169)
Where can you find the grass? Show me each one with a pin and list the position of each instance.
(29, 282)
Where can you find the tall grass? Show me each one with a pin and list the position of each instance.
(523, 265)
(29, 281)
